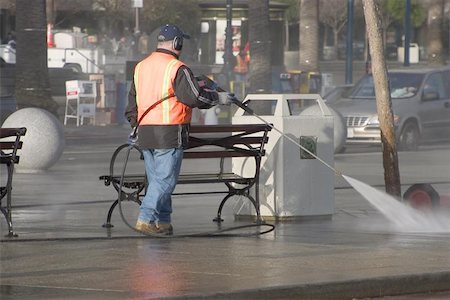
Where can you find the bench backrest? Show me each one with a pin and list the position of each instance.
(9, 144)
(213, 141)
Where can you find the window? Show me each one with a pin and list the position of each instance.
(261, 107)
(435, 84)
(364, 88)
(404, 85)
(447, 80)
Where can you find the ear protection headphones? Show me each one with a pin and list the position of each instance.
(178, 43)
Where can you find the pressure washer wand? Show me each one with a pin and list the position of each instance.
(240, 104)
(214, 86)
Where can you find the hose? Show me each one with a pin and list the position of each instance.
(220, 232)
(250, 111)
(214, 233)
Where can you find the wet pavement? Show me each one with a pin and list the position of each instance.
(63, 252)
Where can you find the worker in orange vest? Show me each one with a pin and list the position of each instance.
(162, 95)
(241, 67)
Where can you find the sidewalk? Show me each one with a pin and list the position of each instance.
(63, 252)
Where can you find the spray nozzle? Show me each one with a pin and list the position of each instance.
(133, 136)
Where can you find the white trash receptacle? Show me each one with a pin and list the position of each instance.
(413, 53)
(293, 184)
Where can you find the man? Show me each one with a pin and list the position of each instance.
(160, 102)
(241, 67)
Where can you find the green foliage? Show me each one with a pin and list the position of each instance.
(183, 13)
(292, 11)
(396, 8)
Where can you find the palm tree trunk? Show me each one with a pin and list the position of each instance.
(435, 36)
(336, 43)
(384, 104)
(309, 35)
(32, 79)
(260, 77)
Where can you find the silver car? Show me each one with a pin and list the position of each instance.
(420, 103)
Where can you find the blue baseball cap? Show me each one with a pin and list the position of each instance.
(168, 32)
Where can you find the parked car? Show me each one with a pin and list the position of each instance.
(420, 103)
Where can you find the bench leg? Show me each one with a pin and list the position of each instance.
(108, 218)
(113, 206)
(234, 192)
(256, 205)
(219, 219)
(7, 211)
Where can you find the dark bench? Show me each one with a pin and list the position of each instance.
(205, 142)
(9, 144)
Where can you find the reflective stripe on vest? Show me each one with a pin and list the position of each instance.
(241, 65)
(153, 78)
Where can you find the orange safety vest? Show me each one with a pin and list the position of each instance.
(153, 80)
(241, 64)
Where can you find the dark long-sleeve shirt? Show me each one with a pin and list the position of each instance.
(187, 91)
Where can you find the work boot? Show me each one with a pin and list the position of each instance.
(165, 228)
(152, 228)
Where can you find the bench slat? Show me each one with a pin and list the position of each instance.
(7, 132)
(10, 145)
(229, 142)
(219, 154)
(183, 178)
(227, 128)
(9, 159)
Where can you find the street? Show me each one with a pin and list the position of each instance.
(62, 250)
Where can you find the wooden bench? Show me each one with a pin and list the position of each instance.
(205, 142)
(9, 144)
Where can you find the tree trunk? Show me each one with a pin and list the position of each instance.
(260, 76)
(435, 36)
(336, 44)
(384, 105)
(32, 79)
(309, 35)
(50, 11)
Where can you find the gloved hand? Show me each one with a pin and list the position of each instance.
(226, 98)
(206, 82)
(133, 137)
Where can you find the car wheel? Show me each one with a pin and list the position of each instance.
(409, 137)
(75, 67)
(422, 195)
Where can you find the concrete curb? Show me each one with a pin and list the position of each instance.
(351, 289)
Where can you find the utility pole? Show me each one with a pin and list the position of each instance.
(349, 56)
(228, 55)
(137, 4)
(407, 32)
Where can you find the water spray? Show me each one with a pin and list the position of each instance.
(250, 111)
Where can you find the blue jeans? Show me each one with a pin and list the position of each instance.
(162, 167)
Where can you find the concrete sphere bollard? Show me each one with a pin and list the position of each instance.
(340, 127)
(44, 141)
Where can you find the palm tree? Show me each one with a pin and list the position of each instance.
(309, 35)
(259, 32)
(435, 36)
(32, 79)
